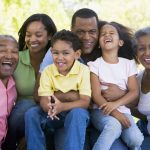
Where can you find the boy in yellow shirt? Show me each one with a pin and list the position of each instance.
(66, 74)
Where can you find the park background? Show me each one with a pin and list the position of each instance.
(132, 13)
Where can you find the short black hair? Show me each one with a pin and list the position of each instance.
(46, 21)
(84, 13)
(69, 37)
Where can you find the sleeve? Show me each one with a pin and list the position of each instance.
(45, 88)
(132, 68)
(93, 66)
(47, 60)
(85, 84)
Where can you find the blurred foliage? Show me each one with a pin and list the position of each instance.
(133, 13)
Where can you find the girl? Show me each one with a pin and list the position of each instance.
(116, 65)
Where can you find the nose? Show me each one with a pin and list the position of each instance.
(86, 35)
(8, 54)
(32, 38)
(147, 51)
(60, 57)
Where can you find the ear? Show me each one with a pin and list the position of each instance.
(78, 54)
(121, 42)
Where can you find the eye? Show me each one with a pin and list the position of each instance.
(39, 35)
(92, 31)
(102, 34)
(80, 32)
(65, 53)
(141, 48)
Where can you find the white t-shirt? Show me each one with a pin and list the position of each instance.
(114, 73)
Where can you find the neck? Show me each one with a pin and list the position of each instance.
(5, 81)
(37, 57)
(147, 74)
(110, 57)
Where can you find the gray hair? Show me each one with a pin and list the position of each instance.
(142, 32)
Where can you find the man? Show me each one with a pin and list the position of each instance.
(85, 24)
(8, 94)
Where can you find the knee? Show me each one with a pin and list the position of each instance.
(79, 113)
(136, 140)
(31, 114)
(113, 126)
(77, 116)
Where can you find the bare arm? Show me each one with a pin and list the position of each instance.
(35, 94)
(132, 94)
(67, 97)
(44, 101)
(96, 90)
(113, 92)
(137, 114)
(100, 100)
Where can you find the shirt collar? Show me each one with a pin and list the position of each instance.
(74, 70)
(25, 57)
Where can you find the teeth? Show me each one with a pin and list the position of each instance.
(108, 40)
(7, 62)
(147, 59)
(34, 45)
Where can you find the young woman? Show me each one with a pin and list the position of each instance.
(34, 41)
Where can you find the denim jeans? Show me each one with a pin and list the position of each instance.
(143, 127)
(74, 122)
(111, 129)
(16, 124)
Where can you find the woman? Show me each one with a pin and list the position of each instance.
(34, 41)
(142, 48)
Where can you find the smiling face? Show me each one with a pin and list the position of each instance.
(8, 56)
(36, 37)
(64, 56)
(109, 38)
(143, 50)
(87, 31)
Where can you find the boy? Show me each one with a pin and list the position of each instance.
(66, 74)
(8, 62)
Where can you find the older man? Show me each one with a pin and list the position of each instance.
(8, 94)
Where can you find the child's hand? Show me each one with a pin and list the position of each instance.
(122, 119)
(55, 107)
(108, 107)
(51, 108)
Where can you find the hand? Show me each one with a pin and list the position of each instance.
(113, 92)
(55, 108)
(108, 107)
(51, 108)
(122, 119)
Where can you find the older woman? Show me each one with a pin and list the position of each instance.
(142, 47)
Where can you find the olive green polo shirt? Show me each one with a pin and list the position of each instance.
(24, 76)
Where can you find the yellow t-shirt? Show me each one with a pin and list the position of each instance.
(78, 79)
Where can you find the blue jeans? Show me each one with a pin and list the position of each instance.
(74, 122)
(111, 129)
(16, 124)
(143, 127)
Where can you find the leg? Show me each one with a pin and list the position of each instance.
(132, 135)
(75, 126)
(109, 127)
(16, 125)
(118, 144)
(36, 124)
